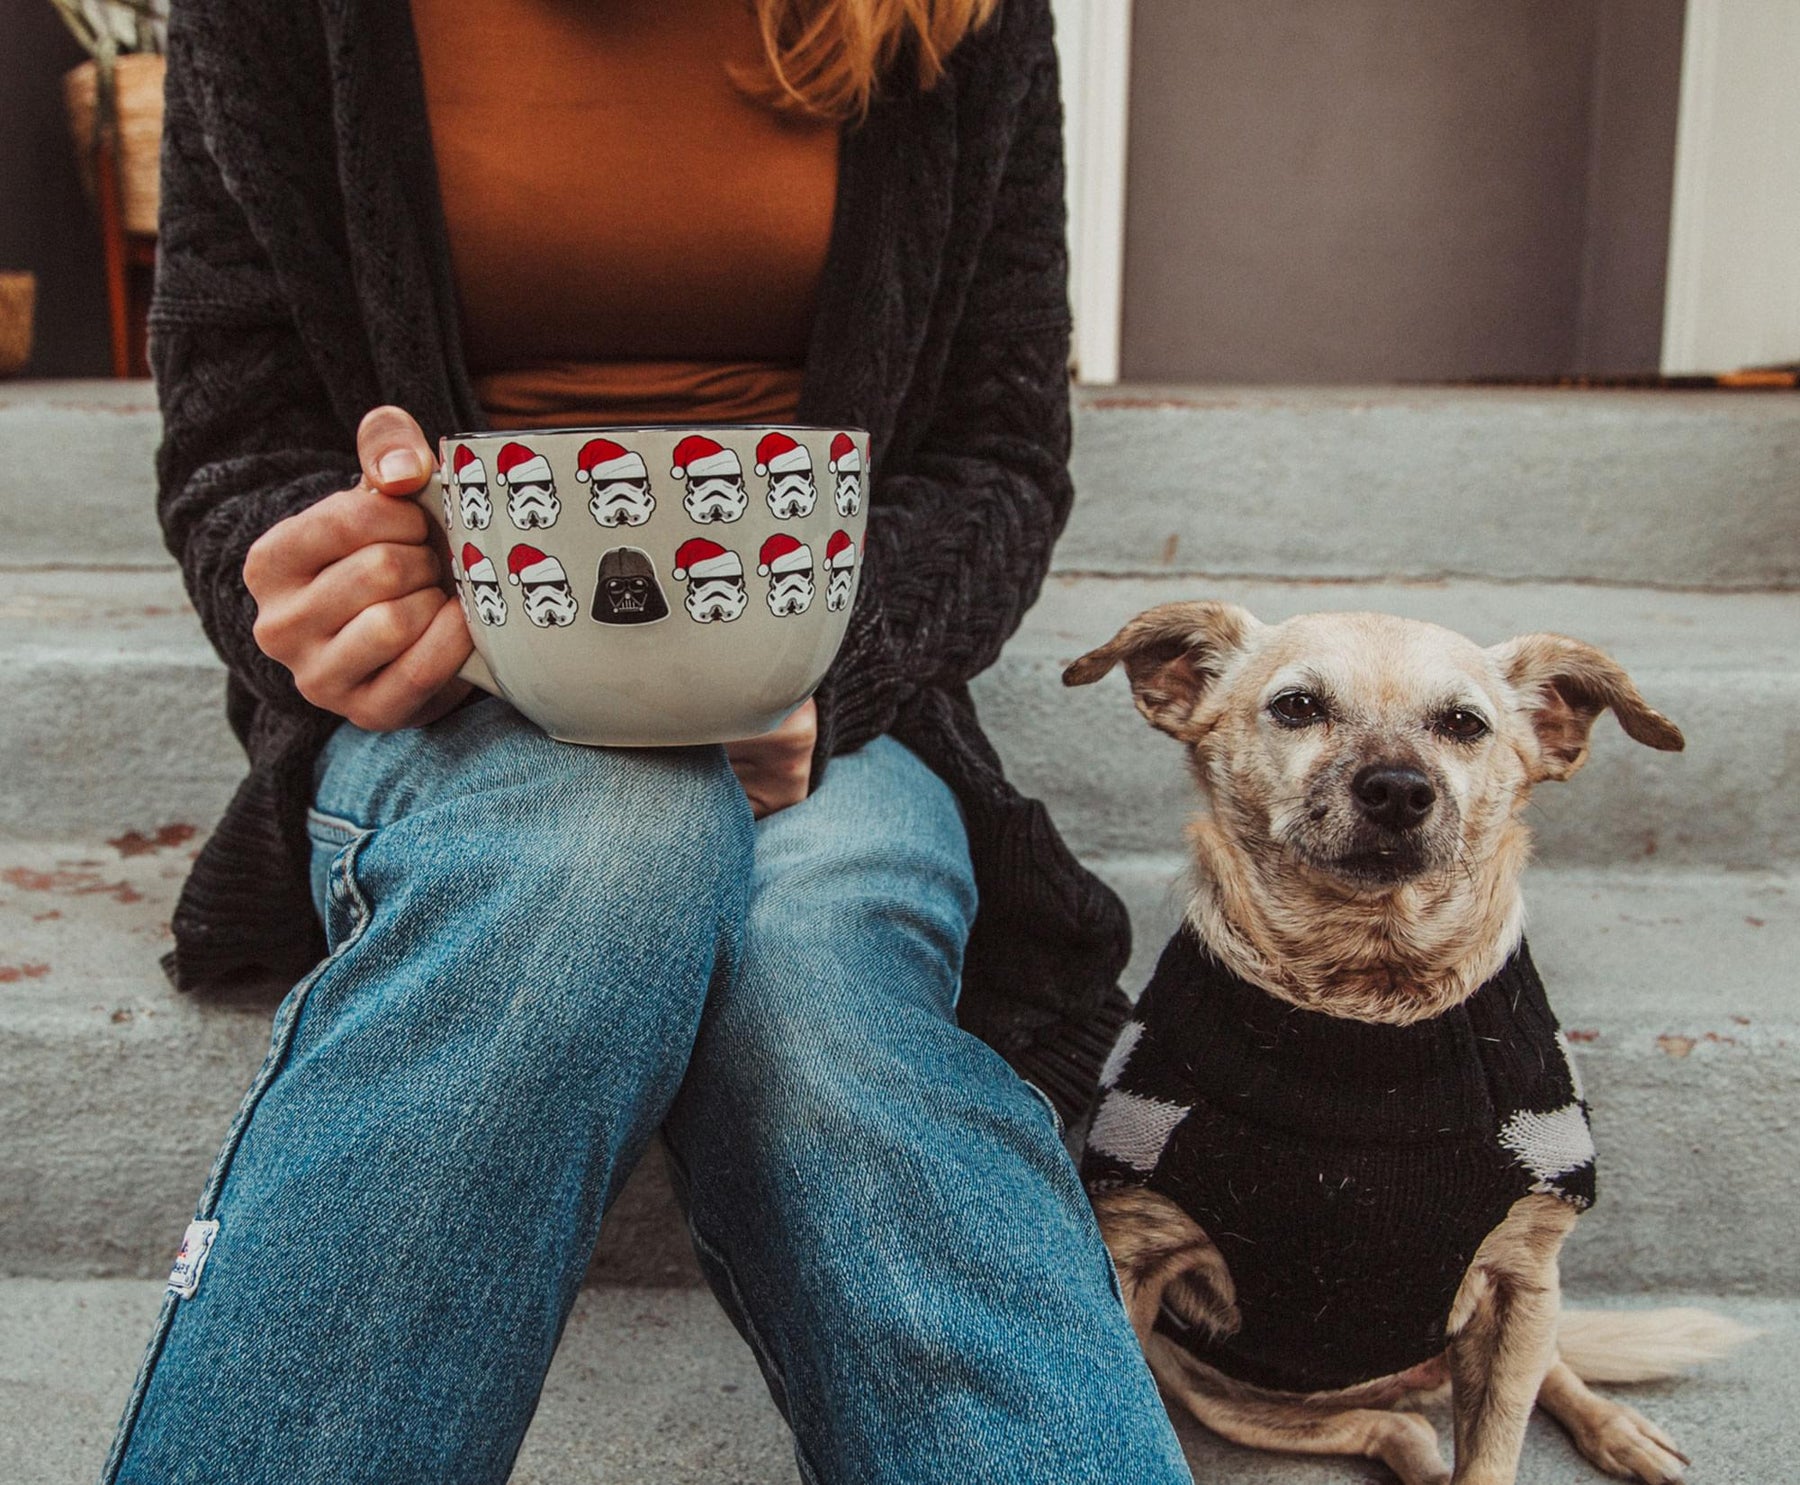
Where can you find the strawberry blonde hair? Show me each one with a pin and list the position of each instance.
(826, 58)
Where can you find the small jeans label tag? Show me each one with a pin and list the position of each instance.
(196, 1243)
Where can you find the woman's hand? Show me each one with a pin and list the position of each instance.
(347, 593)
(776, 768)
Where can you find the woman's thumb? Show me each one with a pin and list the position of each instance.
(391, 447)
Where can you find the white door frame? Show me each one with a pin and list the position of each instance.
(1733, 294)
(1094, 42)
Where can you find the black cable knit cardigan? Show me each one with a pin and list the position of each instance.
(304, 277)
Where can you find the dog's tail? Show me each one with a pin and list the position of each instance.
(1644, 1345)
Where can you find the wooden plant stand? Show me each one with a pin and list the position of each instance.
(130, 259)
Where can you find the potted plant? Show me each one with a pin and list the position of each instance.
(115, 101)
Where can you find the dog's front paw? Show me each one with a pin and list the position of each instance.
(1629, 1445)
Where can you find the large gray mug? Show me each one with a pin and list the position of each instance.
(654, 586)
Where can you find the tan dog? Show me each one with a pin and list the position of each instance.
(1357, 887)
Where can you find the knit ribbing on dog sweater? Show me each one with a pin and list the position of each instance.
(1347, 1171)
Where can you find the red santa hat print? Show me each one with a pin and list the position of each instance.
(518, 465)
(846, 457)
(697, 457)
(840, 552)
(782, 554)
(477, 568)
(698, 559)
(467, 467)
(778, 453)
(602, 460)
(526, 564)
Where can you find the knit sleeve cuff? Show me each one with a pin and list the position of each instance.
(1064, 1059)
(862, 692)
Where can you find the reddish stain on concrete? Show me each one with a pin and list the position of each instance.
(1755, 922)
(11, 974)
(120, 1016)
(75, 883)
(1740, 1020)
(1582, 1036)
(49, 917)
(136, 843)
(1675, 1046)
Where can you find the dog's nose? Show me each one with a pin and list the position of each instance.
(1393, 794)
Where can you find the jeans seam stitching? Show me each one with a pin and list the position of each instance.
(280, 1043)
(336, 827)
(754, 1334)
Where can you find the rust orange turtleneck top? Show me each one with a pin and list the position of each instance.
(634, 239)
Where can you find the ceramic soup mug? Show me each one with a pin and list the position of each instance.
(645, 587)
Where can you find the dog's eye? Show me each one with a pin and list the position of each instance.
(1297, 709)
(1461, 725)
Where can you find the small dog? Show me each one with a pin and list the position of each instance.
(1340, 1142)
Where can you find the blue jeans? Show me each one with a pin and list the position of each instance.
(539, 955)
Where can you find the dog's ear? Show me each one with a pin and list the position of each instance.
(1564, 685)
(1171, 654)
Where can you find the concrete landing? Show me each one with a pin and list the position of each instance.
(653, 1387)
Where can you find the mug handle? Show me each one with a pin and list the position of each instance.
(474, 670)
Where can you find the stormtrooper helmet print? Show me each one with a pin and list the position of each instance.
(787, 563)
(715, 579)
(618, 484)
(531, 502)
(714, 479)
(788, 466)
(549, 600)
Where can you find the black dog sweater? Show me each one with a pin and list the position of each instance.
(1346, 1171)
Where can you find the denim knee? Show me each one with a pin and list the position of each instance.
(559, 890)
(839, 1017)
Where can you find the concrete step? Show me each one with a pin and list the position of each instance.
(655, 1388)
(118, 1090)
(116, 719)
(1684, 489)
(1677, 988)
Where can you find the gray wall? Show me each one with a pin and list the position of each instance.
(1344, 190)
(1631, 178)
(46, 224)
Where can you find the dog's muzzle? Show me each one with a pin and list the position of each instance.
(1393, 796)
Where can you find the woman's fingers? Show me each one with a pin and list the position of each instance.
(332, 673)
(294, 620)
(395, 458)
(775, 770)
(420, 684)
(347, 593)
(293, 552)
(370, 575)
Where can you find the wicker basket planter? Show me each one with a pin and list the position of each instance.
(18, 295)
(139, 83)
